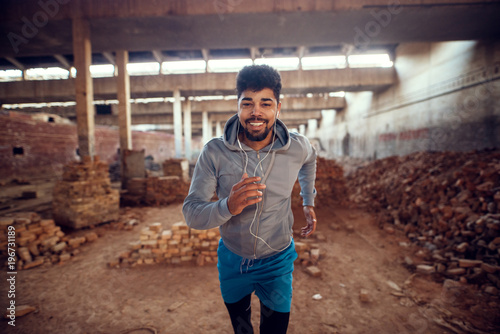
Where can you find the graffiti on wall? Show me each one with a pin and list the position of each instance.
(422, 133)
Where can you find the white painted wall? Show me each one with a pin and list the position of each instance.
(447, 98)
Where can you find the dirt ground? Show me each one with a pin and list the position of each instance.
(85, 296)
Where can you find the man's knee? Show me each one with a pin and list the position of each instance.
(272, 321)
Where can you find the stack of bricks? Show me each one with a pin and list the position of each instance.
(171, 188)
(330, 185)
(177, 167)
(39, 241)
(136, 186)
(165, 190)
(136, 192)
(84, 197)
(178, 245)
(446, 203)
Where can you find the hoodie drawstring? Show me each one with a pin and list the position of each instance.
(249, 264)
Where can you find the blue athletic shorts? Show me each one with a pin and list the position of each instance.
(270, 278)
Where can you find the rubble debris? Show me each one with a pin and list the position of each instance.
(308, 253)
(313, 271)
(21, 311)
(364, 296)
(394, 286)
(317, 296)
(425, 269)
(175, 306)
(330, 185)
(446, 203)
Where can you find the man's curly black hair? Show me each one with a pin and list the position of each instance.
(258, 77)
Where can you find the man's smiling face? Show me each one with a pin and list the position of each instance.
(257, 112)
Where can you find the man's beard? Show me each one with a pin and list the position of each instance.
(259, 137)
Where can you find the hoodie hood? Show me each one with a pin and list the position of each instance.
(282, 141)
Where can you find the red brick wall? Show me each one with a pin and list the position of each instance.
(49, 146)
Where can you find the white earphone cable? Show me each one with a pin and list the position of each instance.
(262, 202)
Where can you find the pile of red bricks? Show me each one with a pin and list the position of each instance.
(182, 245)
(178, 245)
(38, 241)
(162, 190)
(330, 185)
(177, 167)
(165, 190)
(446, 203)
(136, 186)
(84, 196)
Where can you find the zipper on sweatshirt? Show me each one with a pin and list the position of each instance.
(261, 203)
(257, 230)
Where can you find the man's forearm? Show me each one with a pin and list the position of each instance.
(205, 215)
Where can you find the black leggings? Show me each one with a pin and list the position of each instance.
(271, 322)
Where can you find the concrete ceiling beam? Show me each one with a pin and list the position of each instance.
(224, 106)
(193, 30)
(203, 84)
(290, 117)
(197, 24)
(14, 10)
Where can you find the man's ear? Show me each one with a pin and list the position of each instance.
(278, 110)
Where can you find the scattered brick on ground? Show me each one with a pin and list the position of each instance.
(178, 245)
(39, 241)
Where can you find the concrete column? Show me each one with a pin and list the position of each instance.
(82, 51)
(302, 129)
(210, 128)
(312, 126)
(205, 126)
(124, 113)
(218, 129)
(187, 129)
(177, 123)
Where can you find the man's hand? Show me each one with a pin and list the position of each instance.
(241, 193)
(310, 220)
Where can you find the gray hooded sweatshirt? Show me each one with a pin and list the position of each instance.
(263, 229)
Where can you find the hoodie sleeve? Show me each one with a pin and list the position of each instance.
(307, 175)
(200, 213)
